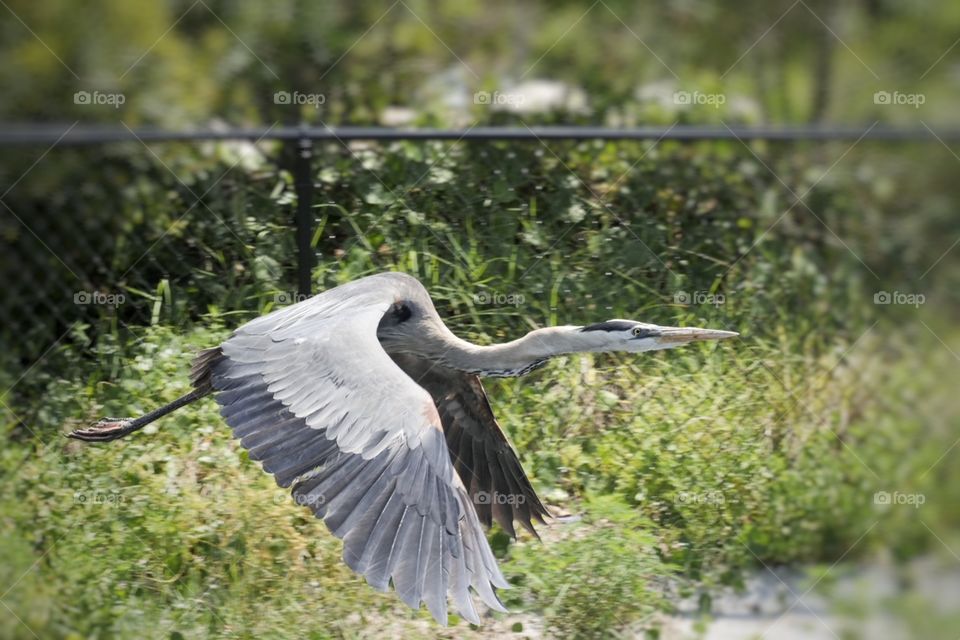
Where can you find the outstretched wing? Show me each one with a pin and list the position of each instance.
(482, 456)
(311, 393)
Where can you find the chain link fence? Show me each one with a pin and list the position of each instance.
(116, 228)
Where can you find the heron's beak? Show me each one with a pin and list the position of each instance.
(674, 336)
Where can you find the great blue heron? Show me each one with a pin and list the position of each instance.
(372, 409)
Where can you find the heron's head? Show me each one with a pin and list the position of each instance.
(636, 337)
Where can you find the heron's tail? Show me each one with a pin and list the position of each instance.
(108, 429)
(201, 376)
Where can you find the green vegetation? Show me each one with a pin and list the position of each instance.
(676, 474)
(688, 467)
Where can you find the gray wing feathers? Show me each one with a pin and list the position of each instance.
(313, 396)
(482, 456)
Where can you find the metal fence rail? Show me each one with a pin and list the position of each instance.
(81, 135)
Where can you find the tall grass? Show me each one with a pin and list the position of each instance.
(687, 468)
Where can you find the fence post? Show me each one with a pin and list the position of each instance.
(303, 183)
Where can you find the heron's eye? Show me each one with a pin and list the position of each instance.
(637, 331)
(401, 312)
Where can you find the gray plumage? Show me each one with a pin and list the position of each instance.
(365, 404)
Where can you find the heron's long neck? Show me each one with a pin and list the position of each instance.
(513, 358)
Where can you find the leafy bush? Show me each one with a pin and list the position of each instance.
(689, 467)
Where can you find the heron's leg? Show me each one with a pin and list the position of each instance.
(104, 430)
(108, 429)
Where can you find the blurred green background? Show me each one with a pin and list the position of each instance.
(686, 474)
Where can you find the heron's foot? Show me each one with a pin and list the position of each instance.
(104, 430)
